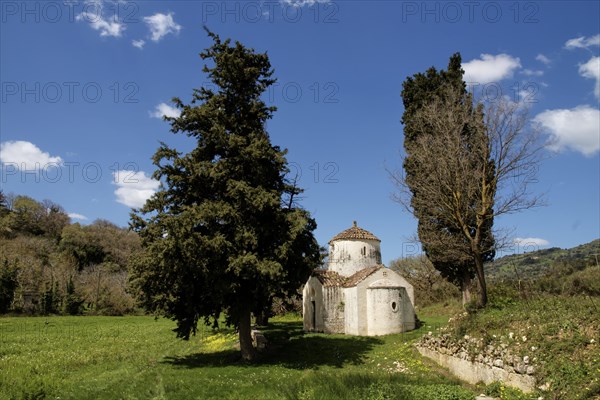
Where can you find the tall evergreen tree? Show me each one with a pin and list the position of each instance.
(219, 236)
(443, 242)
(8, 284)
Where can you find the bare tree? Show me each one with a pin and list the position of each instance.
(430, 286)
(468, 180)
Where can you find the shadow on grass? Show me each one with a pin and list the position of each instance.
(291, 348)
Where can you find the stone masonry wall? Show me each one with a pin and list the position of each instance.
(473, 360)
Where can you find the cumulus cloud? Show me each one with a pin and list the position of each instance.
(134, 188)
(490, 68)
(530, 244)
(161, 25)
(583, 42)
(77, 216)
(106, 27)
(26, 156)
(165, 110)
(576, 129)
(591, 70)
(302, 3)
(543, 59)
(138, 43)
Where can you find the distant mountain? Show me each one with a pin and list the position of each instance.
(537, 263)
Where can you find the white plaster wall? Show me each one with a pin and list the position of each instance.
(350, 311)
(395, 279)
(374, 314)
(346, 256)
(384, 319)
(313, 291)
(329, 307)
(408, 309)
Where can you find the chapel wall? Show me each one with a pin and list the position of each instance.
(333, 310)
(313, 291)
(347, 257)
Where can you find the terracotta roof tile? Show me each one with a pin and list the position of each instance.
(333, 279)
(329, 278)
(361, 275)
(355, 233)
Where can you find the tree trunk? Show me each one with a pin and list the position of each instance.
(246, 347)
(262, 318)
(481, 279)
(465, 288)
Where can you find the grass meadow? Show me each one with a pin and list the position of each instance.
(139, 358)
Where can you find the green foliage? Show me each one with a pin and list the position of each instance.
(78, 242)
(30, 217)
(503, 392)
(8, 284)
(26, 216)
(471, 307)
(223, 233)
(73, 303)
(369, 387)
(502, 296)
(51, 299)
(54, 220)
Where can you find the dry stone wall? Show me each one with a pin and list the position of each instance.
(474, 360)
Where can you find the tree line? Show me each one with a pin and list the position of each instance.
(49, 265)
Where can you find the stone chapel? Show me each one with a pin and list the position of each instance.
(354, 293)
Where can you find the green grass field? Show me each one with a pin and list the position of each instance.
(140, 358)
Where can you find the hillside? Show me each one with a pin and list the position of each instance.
(541, 320)
(49, 265)
(538, 263)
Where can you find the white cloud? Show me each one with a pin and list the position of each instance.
(26, 156)
(112, 28)
(577, 129)
(302, 3)
(543, 59)
(134, 188)
(163, 109)
(582, 42)
(530, 244)
(161, 25)
(138, 43)
(532, 72)
(490, 68)
(591, 69)
(77, 216)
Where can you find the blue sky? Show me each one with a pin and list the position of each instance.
(82, 84)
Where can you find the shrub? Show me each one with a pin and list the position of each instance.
(498, 390)
(8, 285)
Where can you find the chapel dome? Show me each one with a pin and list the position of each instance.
(355, 233)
